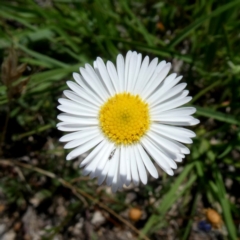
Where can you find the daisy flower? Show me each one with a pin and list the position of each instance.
(127, 116)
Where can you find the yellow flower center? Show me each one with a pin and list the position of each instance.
(124, 118)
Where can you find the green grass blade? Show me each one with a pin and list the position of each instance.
(220, 193)
(52, 62)
(170, 197)
(210, 113)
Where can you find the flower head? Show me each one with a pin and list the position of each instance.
(127, 116)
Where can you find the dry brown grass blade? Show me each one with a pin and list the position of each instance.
(76, 191)
(10, 73)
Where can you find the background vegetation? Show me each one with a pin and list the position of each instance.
(42, 42)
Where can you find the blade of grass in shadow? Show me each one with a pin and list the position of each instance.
(14, 16)
(190, 221)
(184, 33)
(170, 197)
(210, 113)
(54, 74)
(219, 191)
(35, 131)
(205, 90)
(227, 42)
(66, 38)
(155, 50)
(225, 206)
(25, 36)
(157, 219)
(52, 62)
(150, 39)
(40, 34)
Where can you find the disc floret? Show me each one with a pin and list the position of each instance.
(124, 118)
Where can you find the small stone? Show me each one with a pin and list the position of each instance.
(98, 218)
(213, 217)
(135, 214)
(17, 226)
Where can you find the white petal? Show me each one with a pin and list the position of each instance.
(174, 130)
(162, 89)
(169, 94)
(151, 87)
(141, 168)
(194, 121)
(73, 104)
(137, 69)
(147, 162)
(87, 84)
(114, 76)
(81, 140)
(69, 118)
(95, 74)
(70, 127)
(82, 93)
(74, 97)
(77, 111)
(104, 173)
(116, 178)
(169, 172)
(178, 160)
(123, 164)
(134, 170)
(115, 183)
(129, 176)
(79, 134)
(127, 63)
(185, 111)
(169, 145)
(114, 165)
(104, 74)
(85, 147)
(119, 185)
(102, 161)
(183, 149)
(165, 154)
(155, 153)
(94, 82)
(101, 164)
(131, 71)
(170, 119)
(175, 136)
(169, 153)
(141, 79)
(92, 166)
(181, 100)
(121, 71)
(158, 69)
(148, 74)
(93, 153)
(177, 97)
